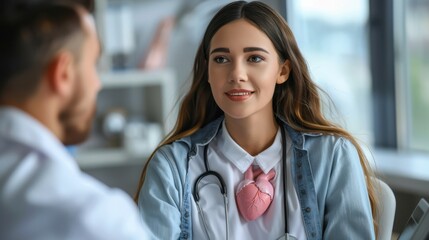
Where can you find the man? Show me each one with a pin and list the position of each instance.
(48, 88)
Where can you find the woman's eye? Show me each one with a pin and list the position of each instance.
(255, 59)
(220, 59)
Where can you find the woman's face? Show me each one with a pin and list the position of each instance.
(243, 70)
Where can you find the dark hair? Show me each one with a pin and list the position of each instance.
(297, 100)
(12, 7)
(31, 33)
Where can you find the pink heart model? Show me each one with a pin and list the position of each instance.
(254, 198)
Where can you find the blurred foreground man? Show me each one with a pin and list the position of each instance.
(48, 89)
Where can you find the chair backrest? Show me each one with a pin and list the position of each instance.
(386, 210)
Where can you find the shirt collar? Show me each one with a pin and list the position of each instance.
(266, 160)
(16, 125)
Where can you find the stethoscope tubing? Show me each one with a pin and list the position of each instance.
(223, 188)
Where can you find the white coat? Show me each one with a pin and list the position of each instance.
(44, 195)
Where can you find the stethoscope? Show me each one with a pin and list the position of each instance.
(223, 190)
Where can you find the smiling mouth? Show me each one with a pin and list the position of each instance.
(238, 93)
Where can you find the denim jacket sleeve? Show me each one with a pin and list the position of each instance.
(160, 197)
(347, 207)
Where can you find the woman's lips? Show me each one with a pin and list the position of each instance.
(239, 94)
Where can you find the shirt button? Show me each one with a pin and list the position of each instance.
(299, 154)
(308, 209)
(186, 214)
(303, 192)
(299, 176)
(313, 234)
(299, 163)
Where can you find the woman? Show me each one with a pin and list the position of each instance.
(251, 125)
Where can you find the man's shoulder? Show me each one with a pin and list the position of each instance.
(68, 200)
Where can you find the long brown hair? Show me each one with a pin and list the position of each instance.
(297, 100)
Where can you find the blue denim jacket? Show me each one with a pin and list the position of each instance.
(326, 172)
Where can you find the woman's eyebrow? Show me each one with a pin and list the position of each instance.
(253, 49)
(247, 49)
(225, 50)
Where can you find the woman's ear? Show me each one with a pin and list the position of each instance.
(60, 73)
(284, 72)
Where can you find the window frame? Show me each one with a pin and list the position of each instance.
(383, 76)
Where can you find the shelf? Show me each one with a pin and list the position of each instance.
(158, 88)
(157, 91)
(137, 78)
(108, 157)
(146, 95)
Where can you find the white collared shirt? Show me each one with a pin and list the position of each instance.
(44, 195)
(227, 158)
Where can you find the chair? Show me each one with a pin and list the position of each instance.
(386, 210)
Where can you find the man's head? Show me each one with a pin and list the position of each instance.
(48, 61)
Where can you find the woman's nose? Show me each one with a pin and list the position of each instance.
(238, 72)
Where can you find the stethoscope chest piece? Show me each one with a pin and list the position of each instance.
(287, 236)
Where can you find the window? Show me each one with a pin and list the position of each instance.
(333, 38)
(417, 57)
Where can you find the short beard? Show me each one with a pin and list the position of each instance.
(71, 117)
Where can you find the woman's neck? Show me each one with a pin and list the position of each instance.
(253, 134)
